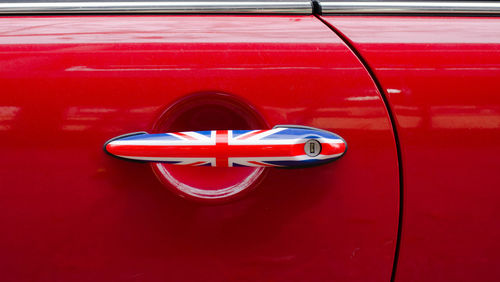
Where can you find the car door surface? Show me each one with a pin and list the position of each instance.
(70, 212)
(440, 76)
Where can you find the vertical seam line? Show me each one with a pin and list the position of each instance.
(391, 114)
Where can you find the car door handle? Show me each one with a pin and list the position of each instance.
(282, 146)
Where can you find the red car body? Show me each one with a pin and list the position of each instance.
(440, 76)
(414, 198)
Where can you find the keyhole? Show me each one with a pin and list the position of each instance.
(312, 148)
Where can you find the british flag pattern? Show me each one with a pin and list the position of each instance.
(277, 147)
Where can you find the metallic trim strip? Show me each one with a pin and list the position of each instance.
(170, 7)
(409, 7)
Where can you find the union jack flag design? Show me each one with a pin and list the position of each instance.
(277, 147)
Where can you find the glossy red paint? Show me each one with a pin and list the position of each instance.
(71, 212)
(441, 77)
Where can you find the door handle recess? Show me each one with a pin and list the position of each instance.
(282, 146)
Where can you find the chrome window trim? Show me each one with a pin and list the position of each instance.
(299, 7)
(410, 7)
(303, 7)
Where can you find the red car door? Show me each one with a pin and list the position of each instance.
(440, 75)
(72, 212)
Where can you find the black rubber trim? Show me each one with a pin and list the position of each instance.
(316, 7)
(390, 112)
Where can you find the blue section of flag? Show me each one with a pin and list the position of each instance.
(160, 136)
(292, 133)
(296, 163)
(205, 133)
(237, 133)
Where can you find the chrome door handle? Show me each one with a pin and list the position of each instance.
(282, 146)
